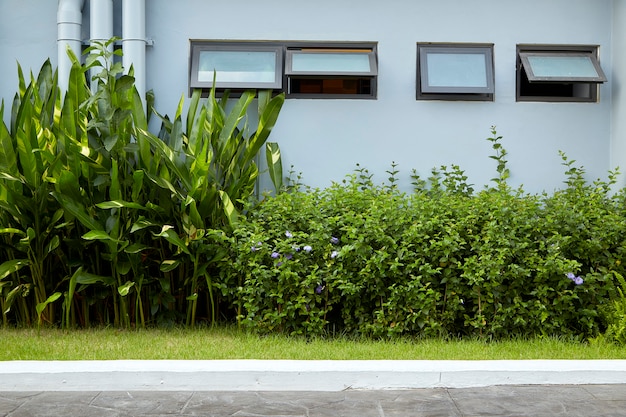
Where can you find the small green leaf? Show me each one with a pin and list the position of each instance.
(41, 306)
(97, 235)
(136, 248)
(124, 290)
(169, 265)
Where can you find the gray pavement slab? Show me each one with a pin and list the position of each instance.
(508, 400)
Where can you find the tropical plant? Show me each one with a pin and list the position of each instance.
(118, 221)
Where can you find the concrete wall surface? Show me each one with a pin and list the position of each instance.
(325, 139)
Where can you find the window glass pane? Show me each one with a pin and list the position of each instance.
(330, 62)
(456, 70)
(562, 66)
(237, 66)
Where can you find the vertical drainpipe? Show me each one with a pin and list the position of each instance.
(100, 26)
(134, 41)
(69, 28)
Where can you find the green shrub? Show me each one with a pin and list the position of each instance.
(439, 261)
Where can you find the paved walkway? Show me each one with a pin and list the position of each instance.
(510, 400)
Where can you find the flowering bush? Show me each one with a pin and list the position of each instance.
(366, 259)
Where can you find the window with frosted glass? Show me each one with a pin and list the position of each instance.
(236, 66)
(341, 62)
(559, 73)
(455, 72)
(327, 72)
(561, 67)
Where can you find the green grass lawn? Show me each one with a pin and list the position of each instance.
(228, 343)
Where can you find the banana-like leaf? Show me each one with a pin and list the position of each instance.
(78, 211)
(168, 233)
(41, 306)
(11, 230)
(171, 158)
(86, 278)
(169, 265)
(163, 183)
(236, 115)
(274, 165)
(52, 245)
(11, 266)
(193, 108)
(8, 158)
(119, 204)
(229, 209)
(98, 235)
(136, 248)
(115, 187)
(267, 120)
(24, 141)
(142, 223)
(138, 185)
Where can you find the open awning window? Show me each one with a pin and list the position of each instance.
(331, 62)
(566, 67)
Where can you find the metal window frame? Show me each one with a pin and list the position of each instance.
(593, 87)
(327, 50)
(200, 46)
(427, 92)
(600, 78)
(371, 47)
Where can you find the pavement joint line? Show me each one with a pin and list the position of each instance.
(306, 375)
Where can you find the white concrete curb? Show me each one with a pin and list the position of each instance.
(287, 375)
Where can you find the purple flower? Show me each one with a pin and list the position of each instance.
(307, 248)
(334, 240)
(334, 254)
(288, 256)
(279, 263)
(275, 255)
(296, 248)
(254, 249)
(577, 280)
(288, 234)
(319, 289)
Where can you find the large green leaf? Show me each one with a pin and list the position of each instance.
(170, 235)
(11, 266)
(119, 204)
(78, 211)
(229, 209)
(274, 164)
(170, 157)
(86, 278)
(98, 235)
(267, 120)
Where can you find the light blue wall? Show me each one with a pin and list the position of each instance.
(618, 90)
(324, 139)
(28, 34)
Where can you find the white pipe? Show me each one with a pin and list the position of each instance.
(134, 41)
(101, 26)
(69, 26)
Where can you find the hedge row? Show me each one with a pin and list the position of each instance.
(360, 258)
